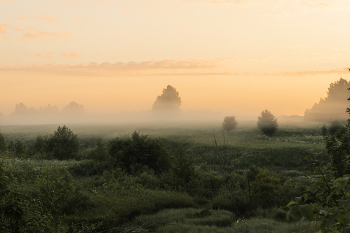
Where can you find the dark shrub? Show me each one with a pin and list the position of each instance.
(63, 144)
(134, 153)
(267, 123)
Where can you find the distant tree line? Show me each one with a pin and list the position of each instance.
(333, 106)
(72, 109)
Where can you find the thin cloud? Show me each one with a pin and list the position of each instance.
(48, 54)
(41, 35)
(99, 2)
(158, 68)
(319, 5)
(19, 29)
(243, 3)
(218, 1)
(23, 18)
(71, 54)
(131, 67)
(293, 73)
(5, 0)
(4, 37)
(2, 28)
(46, 18)
(310, 72)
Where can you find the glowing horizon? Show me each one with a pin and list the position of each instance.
(234, 56)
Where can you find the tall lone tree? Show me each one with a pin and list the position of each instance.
(168, 100)
(267, 123)
(229, 123)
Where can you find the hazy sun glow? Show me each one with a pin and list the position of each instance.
(232, 56)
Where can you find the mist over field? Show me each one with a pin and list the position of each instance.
(172, 116)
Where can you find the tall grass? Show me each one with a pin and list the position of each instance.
(190, 220)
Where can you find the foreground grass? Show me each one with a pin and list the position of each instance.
(204, 220)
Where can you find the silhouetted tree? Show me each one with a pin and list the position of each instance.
(20, 110)
(73, 108)
(63, 144)
(332, 106)
(168, 100)
(267, 123)
(49, 110)
(3, 144)
(229, 123)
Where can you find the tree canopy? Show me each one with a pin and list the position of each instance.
(168, 100)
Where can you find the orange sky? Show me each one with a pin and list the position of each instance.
(233, 56)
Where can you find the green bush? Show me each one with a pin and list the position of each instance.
(134, 153)
(63, 144)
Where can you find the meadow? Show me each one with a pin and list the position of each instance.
(217, 182)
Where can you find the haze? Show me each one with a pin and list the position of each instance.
(234, 57)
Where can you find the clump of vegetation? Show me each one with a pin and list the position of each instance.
(63, 144)
(324, 130)
(3, 144)
(229, 124)
(334, 127)
(267, 123)
(20, 149)
(138, 152)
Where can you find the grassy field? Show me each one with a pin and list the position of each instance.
(216, 199)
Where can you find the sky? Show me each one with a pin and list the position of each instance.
(233, 56)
